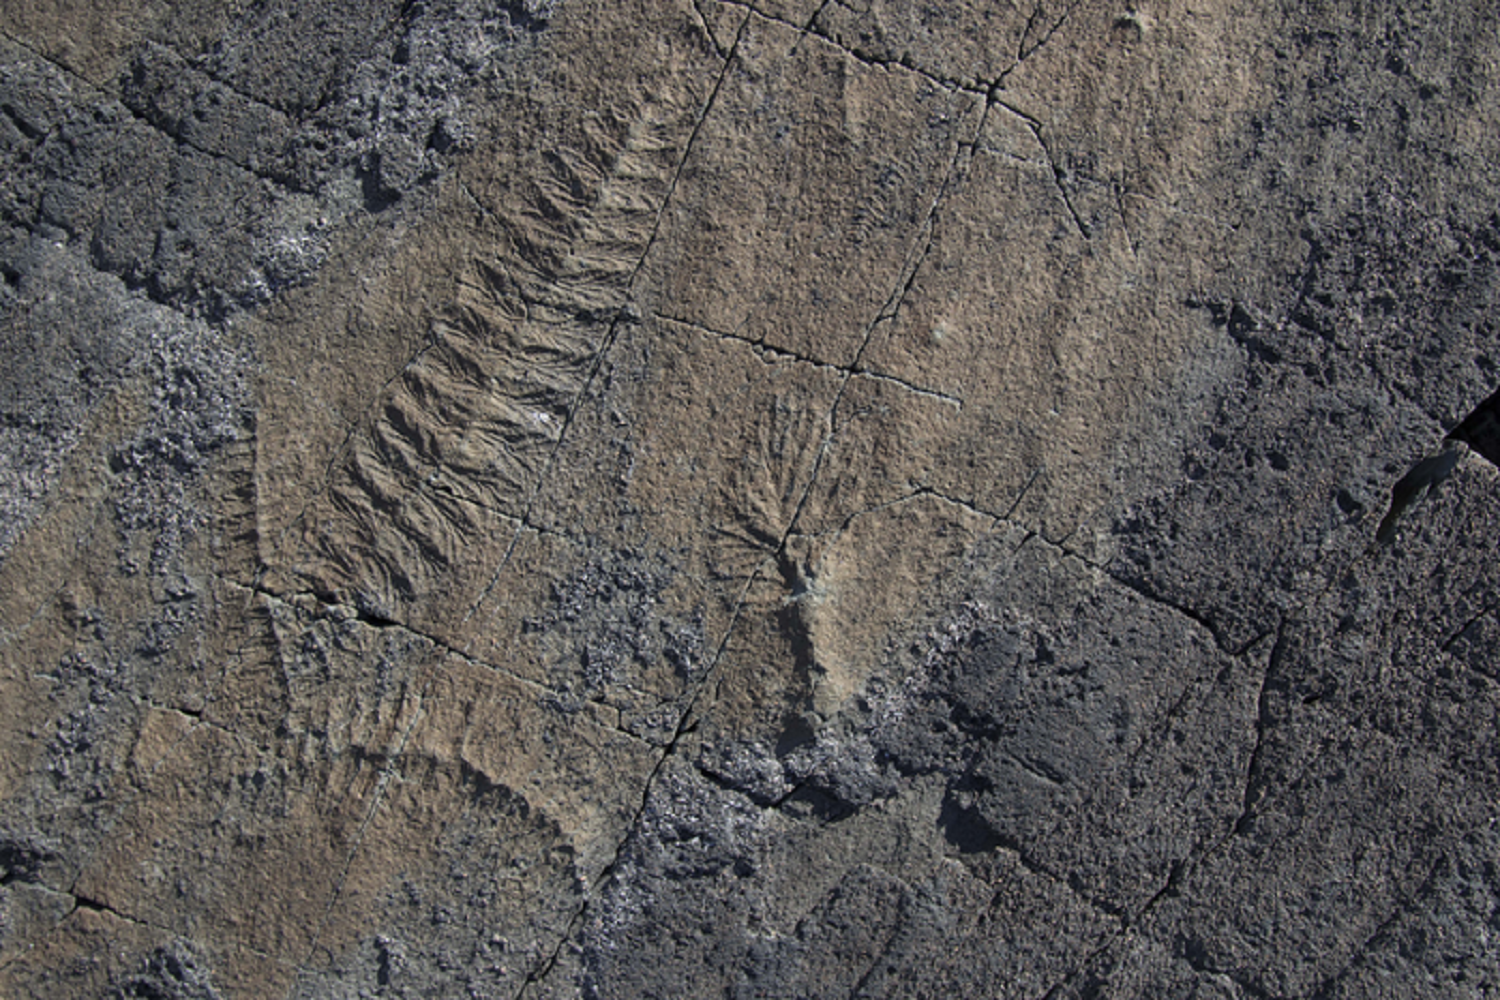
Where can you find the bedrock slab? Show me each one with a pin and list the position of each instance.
(564, 498)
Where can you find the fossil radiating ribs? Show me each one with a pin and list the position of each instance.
(767, 485)
(466, 432)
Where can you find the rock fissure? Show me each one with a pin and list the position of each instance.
(60, 67)
(1127, 923)
(575, 922)
(1130, 240)
(81, 902)
(1403, 907)
(198, 66)
(1263, 722)
(331, 607)
(1061, 177)
(771, 350)
(1143, 589)
(1487, 612)
(623, 315)
(279, 182)
(1023, 52)
(687, 151)
(1010, 512)
(535, 976)
(720, 47)
(811, 28)
(665, 661)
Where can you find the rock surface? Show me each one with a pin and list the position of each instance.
(787, 499)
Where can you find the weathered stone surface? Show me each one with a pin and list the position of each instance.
(790, 499)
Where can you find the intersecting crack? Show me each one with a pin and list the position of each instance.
(978, 87)
(688, 716)
(1023, 52)
(761, 347)
(330, 605)
(683, 725)
(687, 720)
(812, 28)
(703, 25)
(137, 115)
(627, 314)
(1060, 177)
(1039, 30)
(1402, 908)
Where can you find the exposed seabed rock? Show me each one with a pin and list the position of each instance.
(787, 499)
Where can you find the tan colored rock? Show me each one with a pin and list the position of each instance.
(704, 498)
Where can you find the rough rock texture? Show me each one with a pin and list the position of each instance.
(678, 498)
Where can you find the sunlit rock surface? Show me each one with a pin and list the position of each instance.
(790, 499)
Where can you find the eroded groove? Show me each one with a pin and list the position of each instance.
(1249, 800)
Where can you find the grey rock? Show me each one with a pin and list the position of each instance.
(1411, 488)
(542, 499)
